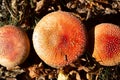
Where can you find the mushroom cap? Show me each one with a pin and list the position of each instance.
(59, 38)
(107, 44)
(14, 46)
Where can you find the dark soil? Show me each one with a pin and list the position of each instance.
(26, 14)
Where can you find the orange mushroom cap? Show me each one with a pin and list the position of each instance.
(107, 44)
(59, 38)
(14, 46)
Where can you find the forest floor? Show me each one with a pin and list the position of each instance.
(26, 14)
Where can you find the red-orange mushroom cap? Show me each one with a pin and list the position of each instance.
(107, 44)
(59, 38)
(14, 46)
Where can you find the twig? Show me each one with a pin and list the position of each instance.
(10, 10)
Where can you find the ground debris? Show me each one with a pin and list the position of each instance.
(10, 74)
(39, 72)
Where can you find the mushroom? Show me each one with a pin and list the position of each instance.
(59, 39)
(107, 44)
(14, 45)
